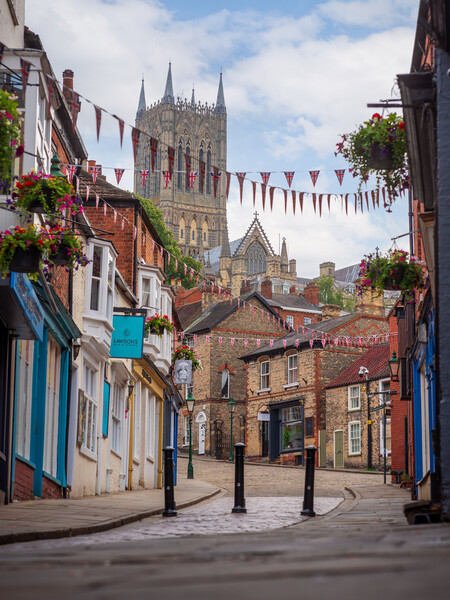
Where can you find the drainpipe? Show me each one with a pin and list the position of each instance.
(131, 442)
(160, 445)
(135, 266)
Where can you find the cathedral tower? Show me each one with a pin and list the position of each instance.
(196, 216)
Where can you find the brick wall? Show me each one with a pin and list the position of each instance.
(50, 489)
(23, 481)
(398, 410)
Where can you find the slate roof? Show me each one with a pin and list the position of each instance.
(221, 310)
(376, 360)
(291, 301)
(214, 254)
(189, 313)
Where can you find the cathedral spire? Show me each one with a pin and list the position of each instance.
(193, 96)
(220, 103)
(168, 97)
(284, 254)
(141, 105)
(225, 250)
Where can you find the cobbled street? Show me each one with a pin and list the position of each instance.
(359, 540)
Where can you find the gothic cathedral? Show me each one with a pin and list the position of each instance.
(192, 208)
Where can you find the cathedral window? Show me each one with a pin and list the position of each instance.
(180, 166)
(200, 156)
(182, 227)
(188, 153)
(208, 170)
(256, 259)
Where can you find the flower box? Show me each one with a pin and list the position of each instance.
(26, 261)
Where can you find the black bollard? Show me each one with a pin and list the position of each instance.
(169, 501)
(239, 500)
(308, 497)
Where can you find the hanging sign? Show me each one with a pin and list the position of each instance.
(128, 336)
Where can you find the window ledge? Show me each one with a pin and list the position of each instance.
(288, 386)
(352, 410)
(88, 453)
(355, 454)
(136, 461)
(116, 453)
(263, 391)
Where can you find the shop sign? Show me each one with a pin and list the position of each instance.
(28, 301)
(128, 336)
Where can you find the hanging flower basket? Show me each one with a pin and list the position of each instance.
(157, 325)
(23, 244)
(378, 148)
(26, 261)
(65, 248)
(45, 194)
(186, 353)
(10, 139)
(395, 271)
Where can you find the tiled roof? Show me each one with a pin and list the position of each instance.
(376, 360)
(188, 313)
(291, 301)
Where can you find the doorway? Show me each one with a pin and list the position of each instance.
(339, 449)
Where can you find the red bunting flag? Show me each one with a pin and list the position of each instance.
(195, 338)
(241, 177)
(71, 171)
(171, 159)
(122, 224)
(154, 151)
(289, 177)
(314, 176)
(228, 182)
(311, 343)
(135, 233)
(258, 343)
(320, 204)
(196, 279)
(300, 200)
(340, 175)
(161, 252)
(2, 49)
(284, 343)
(104, 209)
(254, 192)
(95, 172)
(271, 192)
(98, 119)
(297, 341)
(97, 199)
(87, 193)
(294, 200)
(285, 200)
(115, 219)
(202, 169)
(51, 92)
(77, 186)
(245, 343)
(25, 68)
(119, 173)
(346, 203)
(167, 178)
(232, 340)
(185, 269)
(220, 340)
(191, 274)
(207, 338)
(271, 343)
(216, 177)
(75, 105)
(176, 264)
(263, 194)
(265, 177)
(192, 177)
(314, 199)
(135, 133)
(121, 127)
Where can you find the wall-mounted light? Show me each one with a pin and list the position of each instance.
(394, 366)
(76, 349)
(130, 388)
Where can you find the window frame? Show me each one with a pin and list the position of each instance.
(350, 450)
(90, 390)
(292, 370)
(25, 349)
(225, 373)
(117, 418)
(52, 406)
(105, 280)
(351, 398)
(290, 320)
(264, 376)
(307, 321)
(287, 423)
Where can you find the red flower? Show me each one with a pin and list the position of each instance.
(401, 125)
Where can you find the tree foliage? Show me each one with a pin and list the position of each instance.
(329, 294)
(171, 245)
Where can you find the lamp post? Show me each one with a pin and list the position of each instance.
(394, 366)
(364, 372)
(190, 403)
(231, 408)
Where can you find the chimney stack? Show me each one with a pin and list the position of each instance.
(312, 293)
(68, 84)
(266, 288)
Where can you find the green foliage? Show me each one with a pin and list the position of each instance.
(388, 133)
(52, 194)
(10, 134)
(171, 245)
(328, 294)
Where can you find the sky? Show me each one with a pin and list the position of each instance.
(296, 75)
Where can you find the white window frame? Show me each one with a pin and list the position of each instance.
(226, 377)
(186, 431)
(264, 375)
(388, 437)
(105, 281)
(90, 389)
(290, 320)
(307, 320)
(24, 398)
(351, 451)
(117, 418)
(52, 397)
(150, 426)
(292, 368)
(352, 398)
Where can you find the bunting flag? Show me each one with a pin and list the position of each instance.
(144, 173)
(135, 141)
(135, 233)
(171, 159)
(166, 175)
(95, 172)
(220, 340)
(50, 91)
(154, 151)
(195, 337)
(241, 177)
(328, 201)
(300, 200)
(121, 127)
(98, 119)
(97, 199)
(314, 199)
(216, 177)
(254, 192)
(192, 176)
(314, 177)
(191, 274)
(208, 338)
(202, 169)
(119, 173)
(76, 105)
(71, 171)
(293, 200)
(187, 158)
(245, 343)
(311, 343)
(87, 193)
(284, 344)
(176, 264)
(161, 252)
(265, 177)
(340, 175)
(320, 204)
(196, 279)
(271, 343)
(232, 340)
(115, 219)
(289, 177)
(285, 201)
(297, 341)
(185, 269)
(104, 209)
(258, 343)
(271, 192)
(25, 67)
(228, 183)
(122, 224)
(263, 194)
(77, 186)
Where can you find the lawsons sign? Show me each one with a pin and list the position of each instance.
(128, 337)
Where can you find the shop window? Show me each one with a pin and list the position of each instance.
(291, 428)
(24, 398)
(309, 426)
(88, 409)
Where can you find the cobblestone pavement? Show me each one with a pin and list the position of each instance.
(274, 480)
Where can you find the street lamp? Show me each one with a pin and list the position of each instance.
(231, 408)
(364, 372)
(190, 403)
(394, 366)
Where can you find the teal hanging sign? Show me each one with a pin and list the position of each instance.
(128, 337)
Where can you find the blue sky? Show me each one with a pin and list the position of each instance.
(296, 74)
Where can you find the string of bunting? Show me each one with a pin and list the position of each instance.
(358, 199)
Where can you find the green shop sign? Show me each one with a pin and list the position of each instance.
(128, 337)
